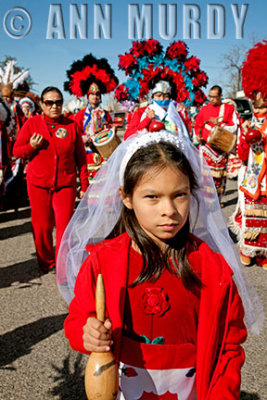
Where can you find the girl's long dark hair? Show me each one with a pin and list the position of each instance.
(159, 155)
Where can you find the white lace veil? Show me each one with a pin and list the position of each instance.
(100, 208)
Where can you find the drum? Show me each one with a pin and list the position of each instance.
(106, 142)
(221, 139)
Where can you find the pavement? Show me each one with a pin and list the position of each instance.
(35, 359)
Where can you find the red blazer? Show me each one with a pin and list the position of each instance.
(220, 322)
(55, 164)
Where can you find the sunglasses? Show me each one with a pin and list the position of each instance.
(50, 103)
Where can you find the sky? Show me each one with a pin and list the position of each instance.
(40, 34)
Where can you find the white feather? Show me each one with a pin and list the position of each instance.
(8, 72)
(1, 74)
(20, 78)
(9, 77)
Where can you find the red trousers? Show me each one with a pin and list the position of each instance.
(49, 209)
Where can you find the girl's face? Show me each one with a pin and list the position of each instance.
(161, 202)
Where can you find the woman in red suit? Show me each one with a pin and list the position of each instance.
(55, 150)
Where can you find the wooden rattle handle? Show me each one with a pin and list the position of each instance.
(100, 299)
(101, 374)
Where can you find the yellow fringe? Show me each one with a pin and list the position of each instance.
(93, 168)
(218, 174)
(251, 235)
(255, 212)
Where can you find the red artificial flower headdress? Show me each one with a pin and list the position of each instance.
(146, 63)
(254, 73)
(90, 70)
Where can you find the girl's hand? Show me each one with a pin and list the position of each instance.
(36, 140)
(97, 335)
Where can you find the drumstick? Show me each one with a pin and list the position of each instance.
(101, 373)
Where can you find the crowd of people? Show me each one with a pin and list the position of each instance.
(151, 217)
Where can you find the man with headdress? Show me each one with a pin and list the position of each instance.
(250, 217)
(91, 77)
(28, 106)
(10, 81)
(170, 78)
(216, 114)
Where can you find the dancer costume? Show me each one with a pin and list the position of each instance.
(217, 160)
(11, 80)
(166, 113)
(249, 220)
(150, 69)
(177, 352)
(88, 76)
(91, 121)
(5, 156)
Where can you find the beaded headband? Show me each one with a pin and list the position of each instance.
(145, 140)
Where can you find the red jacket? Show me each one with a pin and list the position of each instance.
(220, 322)
(208, 111)
(55, 164)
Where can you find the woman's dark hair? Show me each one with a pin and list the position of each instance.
(158, 155)
(50, 89)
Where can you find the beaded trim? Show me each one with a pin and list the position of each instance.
(146, 139)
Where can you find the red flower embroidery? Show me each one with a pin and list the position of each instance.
(155, 301)
(153, 396)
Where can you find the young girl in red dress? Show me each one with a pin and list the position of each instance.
(174, 318)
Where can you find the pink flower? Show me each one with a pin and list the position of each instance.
(155, 301)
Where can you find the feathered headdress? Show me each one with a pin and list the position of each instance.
(8, 77)
(83, 73)
(146, 63)
(254, 72)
